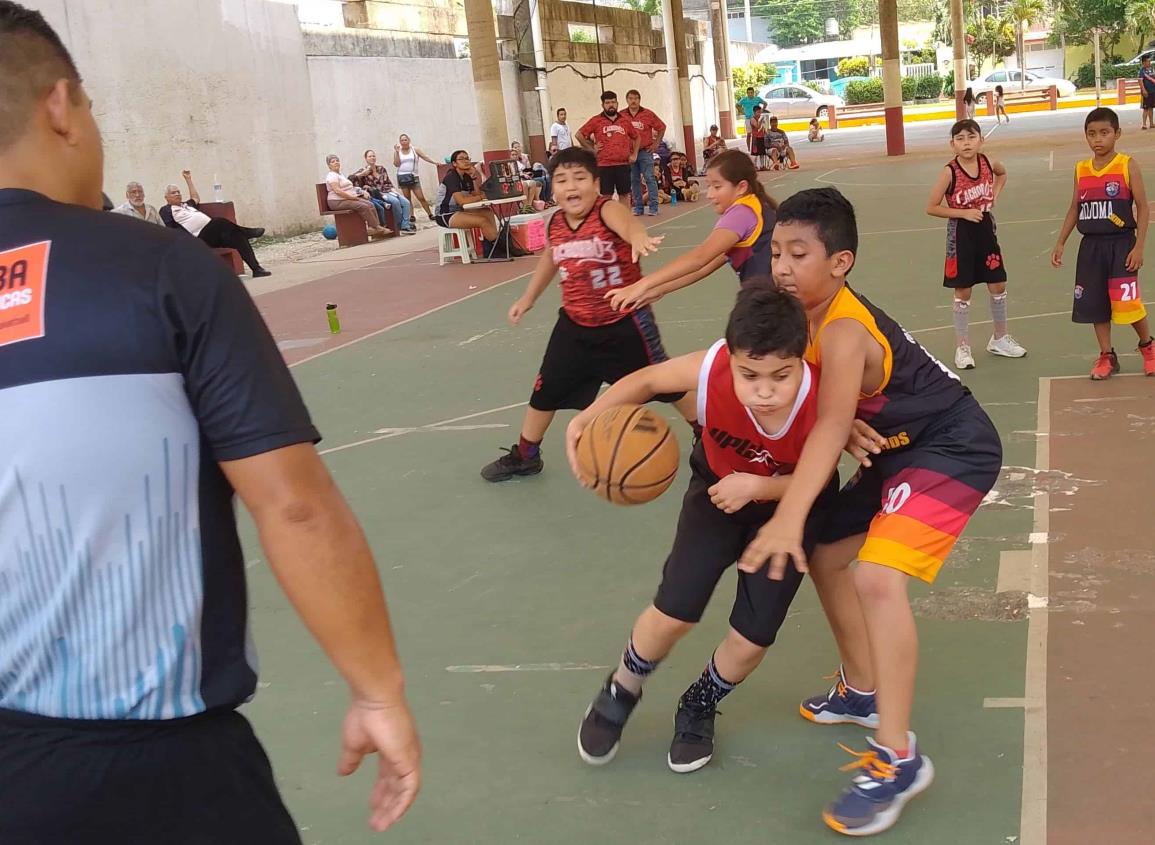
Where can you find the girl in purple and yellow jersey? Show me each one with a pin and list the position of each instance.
(741, 236)
(1109, 206)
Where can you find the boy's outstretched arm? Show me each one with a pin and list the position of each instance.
(844, 345)
(1142, 217)
(674, 376)
(1068, 226)
(684, 270)
(542, 275)
(630, 229)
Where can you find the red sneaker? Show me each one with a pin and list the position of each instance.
(1106, 365)
(1148, 353)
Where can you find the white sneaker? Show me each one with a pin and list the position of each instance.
(1006, 347)
(963, 360)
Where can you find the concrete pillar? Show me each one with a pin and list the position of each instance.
(547, 115)
(891, 77)
(675, 116)
(679, 26)
(958, 48)
(536, 121)
(722, 68)
(487, 91)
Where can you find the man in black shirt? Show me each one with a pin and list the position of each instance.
(139, 389)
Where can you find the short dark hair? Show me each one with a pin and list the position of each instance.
(32, 60)
(967, 125)
(634, 91)
(574, 157)
(560, 110)
(773, 118)
(1102, 114)
(767, 321)
(829, 212)
(608, 95)
(749, 87)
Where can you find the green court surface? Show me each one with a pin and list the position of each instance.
(511, 602)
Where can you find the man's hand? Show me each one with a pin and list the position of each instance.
(631, 297)
(1057, 255)
(389, 731)
(573, 433)
(864, 441)
(971, 214)
(519, 310)
(733, 492)
(633, 157)
(1134, 259)
(645, 244)
(776, 542)
(187, 174)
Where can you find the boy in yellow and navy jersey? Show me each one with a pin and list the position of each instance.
(1109, 207)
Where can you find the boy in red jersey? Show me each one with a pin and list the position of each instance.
(756, 403)
(1110, 208)
(594, 245)
(973, 256)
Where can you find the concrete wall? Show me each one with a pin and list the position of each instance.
(367, 102)
(217, 86)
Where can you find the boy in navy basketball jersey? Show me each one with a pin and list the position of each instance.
(756, 404)
(594, 246)
(969, 185)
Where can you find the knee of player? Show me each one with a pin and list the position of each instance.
(740, 646)
(877, 583)
(669, 626)
(961, 305)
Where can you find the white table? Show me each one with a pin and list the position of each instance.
(502, 219)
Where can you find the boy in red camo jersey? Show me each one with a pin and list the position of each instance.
(612, 137)
(594, 244)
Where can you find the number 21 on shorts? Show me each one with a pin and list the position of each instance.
(1126, 300)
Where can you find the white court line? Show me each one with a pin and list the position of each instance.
(940, 228)
(988, 322)
(397, 432)
(993, 128)
(527, 667)
(1033, 818)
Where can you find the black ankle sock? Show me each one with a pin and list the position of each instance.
(708, 690)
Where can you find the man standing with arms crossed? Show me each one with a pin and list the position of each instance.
(650, 129)
(139, 388)
(611, 137)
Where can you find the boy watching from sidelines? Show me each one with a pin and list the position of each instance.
(973, 256)
(756, 402)
(778, 147)
(933, 457)
(1109, 207)
(594, 245)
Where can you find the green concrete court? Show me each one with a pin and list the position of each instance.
(512, 601)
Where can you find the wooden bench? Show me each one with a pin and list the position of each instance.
(1127, 87)
(226, 210)
(1013, 97)
(871, 110)
(351, 229)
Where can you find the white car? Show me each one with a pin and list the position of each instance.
(786, 100)
(1011, 80)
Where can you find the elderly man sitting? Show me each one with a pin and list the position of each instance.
(136, 206)
(214, 231)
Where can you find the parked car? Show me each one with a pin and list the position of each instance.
(1011, 79)
(789, 100)
(1135, 62)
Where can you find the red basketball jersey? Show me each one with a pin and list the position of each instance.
(968, 191)
(591, 259)
(734, 441)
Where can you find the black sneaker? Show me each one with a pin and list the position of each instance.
(601, 729)
(693, 743)
(512, 464)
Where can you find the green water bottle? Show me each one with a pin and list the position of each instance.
(334, 320)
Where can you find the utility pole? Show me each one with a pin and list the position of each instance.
(958, 47)
(891, 77)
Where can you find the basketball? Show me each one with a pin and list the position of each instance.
(330, 232)
(630, 453)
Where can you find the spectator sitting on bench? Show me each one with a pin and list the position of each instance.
(681, 175)
(715, 143)
(136, 206)
(217, 232)
(778, 145)
(374, 178)
(534, 186)
(457, 190)
(345, 196)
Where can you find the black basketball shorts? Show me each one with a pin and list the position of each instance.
(614, 177)
(1105, 290)
(973, 256)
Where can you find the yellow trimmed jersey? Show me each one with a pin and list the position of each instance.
(1106, 205)
(916, 387)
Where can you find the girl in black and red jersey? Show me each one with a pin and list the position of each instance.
(741, 236)
(594, 246)
(969, 184)
(756, 403)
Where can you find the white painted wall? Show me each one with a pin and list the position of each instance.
(217, 86)
(364, 103)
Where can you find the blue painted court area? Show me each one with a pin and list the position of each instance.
(512, 602)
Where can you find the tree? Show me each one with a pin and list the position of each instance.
(853, 66)
(793, 22)
(1023, 13)
(650, 7)
(753, 75)
(1077, 19)
(994, 39)
(1141, 19)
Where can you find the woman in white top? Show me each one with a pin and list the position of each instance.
(345, 196)
(405, 157)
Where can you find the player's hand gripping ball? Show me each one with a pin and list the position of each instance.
(628, 455)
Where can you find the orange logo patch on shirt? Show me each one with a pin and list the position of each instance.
(23, 286)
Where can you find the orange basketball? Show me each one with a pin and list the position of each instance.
(630, 453)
